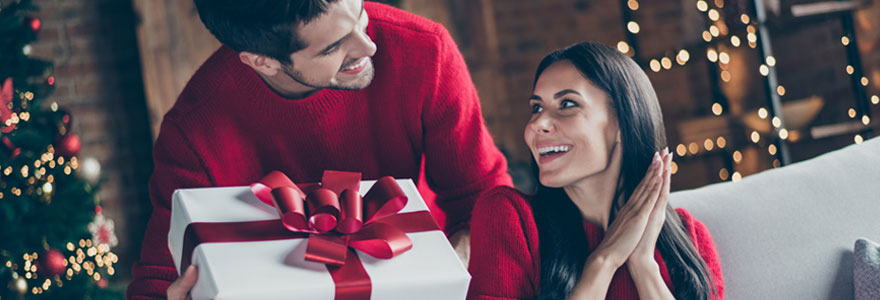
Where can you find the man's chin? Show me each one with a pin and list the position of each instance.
(358, 83)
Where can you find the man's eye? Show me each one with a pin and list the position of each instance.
(330, 51)
(567, 104)
(536, 108)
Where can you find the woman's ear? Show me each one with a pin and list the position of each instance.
(265, 65)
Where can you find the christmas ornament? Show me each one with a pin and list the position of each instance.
(90, 170)
(5, 103)
(68, 145)
(102, 230)
(51, 262)
(18, 285)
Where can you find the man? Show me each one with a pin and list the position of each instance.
(307, 85)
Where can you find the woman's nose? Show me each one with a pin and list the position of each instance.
(543, 124)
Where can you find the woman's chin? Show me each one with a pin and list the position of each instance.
(551, 180)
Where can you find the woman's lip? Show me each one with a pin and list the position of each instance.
(543, 159)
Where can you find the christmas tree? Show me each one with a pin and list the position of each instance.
(54, 241)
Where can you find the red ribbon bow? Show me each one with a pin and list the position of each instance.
(336, 213)
(383, 235)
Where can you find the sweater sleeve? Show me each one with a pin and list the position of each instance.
(461, 160)
(505, 260)
(706, 247)
(176, 166)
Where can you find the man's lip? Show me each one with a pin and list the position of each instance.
(357, 62)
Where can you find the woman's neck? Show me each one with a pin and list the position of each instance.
(594, 194)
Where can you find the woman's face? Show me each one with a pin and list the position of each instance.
(573, 130)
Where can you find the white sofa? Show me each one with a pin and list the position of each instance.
(788, 233)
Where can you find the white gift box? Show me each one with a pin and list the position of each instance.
(278, 269)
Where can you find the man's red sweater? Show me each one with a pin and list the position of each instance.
(419, 118)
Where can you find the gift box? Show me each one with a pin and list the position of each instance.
(245, 248)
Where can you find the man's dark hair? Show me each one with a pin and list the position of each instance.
(265, 27)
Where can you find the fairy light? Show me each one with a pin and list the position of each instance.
(771, 149)
(707, 36)
(771, 61)
(723, 57)
(708, 144)
(655, 65)
(712, 55)
(714, 15)
(866, 120)
(858, 139)
(736, 177)
(744, 18)
(713, 30)
(717, 109)
(875, 99)
(764, 70)
(683, 57)
(852, 113)
(673, 168)
(725, 76)
(734, 40)
(633, 4)
(756, 137)
(783, 133)
(702, 5)
(723, 174)
(780, 90)
(623, 47)
(721, 142)
(776, 122)
(681, 150)
(762, 113)
(864, 81)
(849, 69)
(693, 148)
(666, 63)
(633, 27)
(844, 40)
(737, 156)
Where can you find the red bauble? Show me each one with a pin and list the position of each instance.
(35, 24)
(51, 262)
(67, 145)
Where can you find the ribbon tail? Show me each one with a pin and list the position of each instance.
(381, 241)
(327, 249)
(351, 279)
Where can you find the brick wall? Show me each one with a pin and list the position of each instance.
(98, 79)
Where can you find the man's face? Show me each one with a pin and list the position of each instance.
(338, 52)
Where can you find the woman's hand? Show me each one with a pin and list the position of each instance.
(644, 251)
(628, 228)
(179, 289)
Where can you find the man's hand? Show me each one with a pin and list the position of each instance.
(461, 242)
(179, 289)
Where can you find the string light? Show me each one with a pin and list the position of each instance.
(844, 40)
(780, 90)
(764, 70)
(756, 137)
(724, 58)
(707, 36)
(666, 63)
(702, 5)
(771, 61)
(655, 65)
(708, 144)
(744, 18)
(693, 148)
(737, 156)
(783, 133)
(633, 27)
(725, 76)
(849, 69)
(623, 47)
(723, 174)
(713, 15)
(721, 141)
(683, 57)
(712, 55)
(771, 149)
(859, 139)
(866, 120)
(633, 4)
(776, 122)
(852, 113)
(713, 30)
(734, 40)
(717, 109)
(681, 150)
(673, 168)
(736, 177)
(875, 99)
(864, 81)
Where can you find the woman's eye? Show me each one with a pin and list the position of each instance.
(567, 104)
(536, 108)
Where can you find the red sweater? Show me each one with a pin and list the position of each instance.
(420, 118)
(505, 259)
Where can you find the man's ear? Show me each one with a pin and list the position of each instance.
(265, 65)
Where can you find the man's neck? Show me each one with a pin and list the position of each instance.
(280, 83)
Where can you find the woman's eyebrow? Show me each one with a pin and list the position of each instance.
(566, 92)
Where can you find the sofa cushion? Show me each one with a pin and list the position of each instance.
(866, 270)
(788, 233)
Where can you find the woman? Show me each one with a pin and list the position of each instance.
(599, 224)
